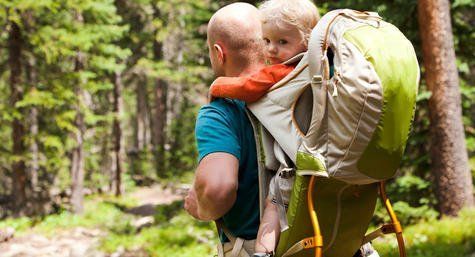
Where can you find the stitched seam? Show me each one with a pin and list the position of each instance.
(354, 132)
(337, 218)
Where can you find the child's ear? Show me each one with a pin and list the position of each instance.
(219, 52)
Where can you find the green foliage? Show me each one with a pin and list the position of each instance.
(164, 213)
(454, 237)
(19, 224)
(181, 237)
(412, 199)
(110, 217)
(412, 190)
(412, 215)
(182, 155)
(194, 240)
(57, 35)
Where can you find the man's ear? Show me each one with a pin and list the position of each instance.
(219, 52)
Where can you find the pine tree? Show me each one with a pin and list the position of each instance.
(448, 150)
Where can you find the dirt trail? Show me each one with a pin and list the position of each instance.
(157, 194)
(78, 242)
(82, 242)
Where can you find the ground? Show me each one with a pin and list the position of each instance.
(83, 242)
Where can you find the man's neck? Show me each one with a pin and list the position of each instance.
(245, 71)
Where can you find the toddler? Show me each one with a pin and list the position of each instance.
(286, 28)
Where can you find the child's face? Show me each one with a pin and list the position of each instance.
(282, 41)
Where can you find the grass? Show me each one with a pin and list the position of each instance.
(182, 236)
(449, 237)
(98, 212)
(178, 235)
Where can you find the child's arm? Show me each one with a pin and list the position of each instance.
(269, 229)
(252, 88)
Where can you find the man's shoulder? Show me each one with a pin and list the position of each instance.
(228, 108)
(221, 126)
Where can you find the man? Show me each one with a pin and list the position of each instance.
(226, 179)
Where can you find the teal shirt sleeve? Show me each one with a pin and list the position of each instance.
(216, 131)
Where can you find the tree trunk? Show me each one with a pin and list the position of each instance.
(158, 120)
(19, 179)
(77, 163)
(117, 132)
(33, 164)
(140, 128)
(158, 124)
(142, 115)
(105, 162)
(77, 166)
(448, 150)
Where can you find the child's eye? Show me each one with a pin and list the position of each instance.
(266, 40)
(283, 41)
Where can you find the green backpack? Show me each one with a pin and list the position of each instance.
(345, 135)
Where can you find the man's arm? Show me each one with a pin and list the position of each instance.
(215, 187)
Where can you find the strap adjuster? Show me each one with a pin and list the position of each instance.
(317, 80)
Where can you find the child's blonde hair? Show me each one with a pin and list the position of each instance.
(302, 14)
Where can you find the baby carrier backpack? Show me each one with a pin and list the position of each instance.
(343, 135)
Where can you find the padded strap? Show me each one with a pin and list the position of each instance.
(365, 15)
(237, 242)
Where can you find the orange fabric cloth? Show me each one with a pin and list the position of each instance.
(251, 88)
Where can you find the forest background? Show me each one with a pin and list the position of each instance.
(98, 98)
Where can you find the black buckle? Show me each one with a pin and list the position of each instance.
(287, 173)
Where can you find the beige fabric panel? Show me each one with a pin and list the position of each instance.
(271, 162)
(354, 112)
(274, 110)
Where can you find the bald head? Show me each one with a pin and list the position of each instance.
(237, 29)
(236, 25)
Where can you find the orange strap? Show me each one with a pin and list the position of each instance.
(314, 219)
(396, 225)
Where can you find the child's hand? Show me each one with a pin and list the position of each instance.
(210, 96)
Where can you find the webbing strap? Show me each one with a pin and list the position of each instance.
(220, 226)
(237, 247)
(306, 243)
(381, 231)
(281, 208)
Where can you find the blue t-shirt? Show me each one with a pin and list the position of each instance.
(223, 126)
